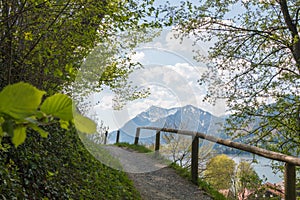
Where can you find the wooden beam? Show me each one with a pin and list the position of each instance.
(290, 182)
(157, 144)
(195, 154)
(137, 135)
(105, 138)
(245, 147)
(118, 136)
(157, 141)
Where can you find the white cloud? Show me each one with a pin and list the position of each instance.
(137, 56)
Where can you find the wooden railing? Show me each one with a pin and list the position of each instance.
(290, 161)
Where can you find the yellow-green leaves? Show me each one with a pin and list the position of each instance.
(21, 107)
(84, 124)
(28, 36)
(20, 100)
(19, 136)
(58, 105)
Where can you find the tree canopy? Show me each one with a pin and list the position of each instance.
(246, 178)
(220, 172)
(45, 42)
(254, 63)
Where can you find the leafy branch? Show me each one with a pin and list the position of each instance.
(21, 107)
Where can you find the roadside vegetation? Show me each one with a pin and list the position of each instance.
(138, 148)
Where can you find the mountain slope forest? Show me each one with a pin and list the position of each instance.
(43, 43)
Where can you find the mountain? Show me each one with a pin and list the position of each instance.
(187, 118)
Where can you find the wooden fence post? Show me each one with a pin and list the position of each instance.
(290, 182)
(157, 143)
(195, 154)
(118, 136)
(137, 135)
(105, 138)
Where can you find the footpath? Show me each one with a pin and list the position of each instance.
(153, 178)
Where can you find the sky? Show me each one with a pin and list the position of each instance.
(171, 74)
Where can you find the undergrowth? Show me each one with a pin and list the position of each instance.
(138, 148)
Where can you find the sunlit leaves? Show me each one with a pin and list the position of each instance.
(19, 136)
(41, 131)
(20, 100)
(84, 124)
(58, 105)
(21, 108)
(220, 171)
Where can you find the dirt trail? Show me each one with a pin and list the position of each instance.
(153, 179)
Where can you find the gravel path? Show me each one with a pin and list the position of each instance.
(153, 179)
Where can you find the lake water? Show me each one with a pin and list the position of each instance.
(263, 167)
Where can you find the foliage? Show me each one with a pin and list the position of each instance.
(138, 148)
(58, 167)
(246, 178)
(180, 149)
(21, 108)
(220, 172)
(254, 63)
(45, 42)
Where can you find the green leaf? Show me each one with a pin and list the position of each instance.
(20, 100)
(1, 130)
(84, 124)
(64, 124)
(19, 136)
(58, 105)
(8, 127)
(42, 132)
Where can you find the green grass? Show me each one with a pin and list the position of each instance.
(138, 148)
